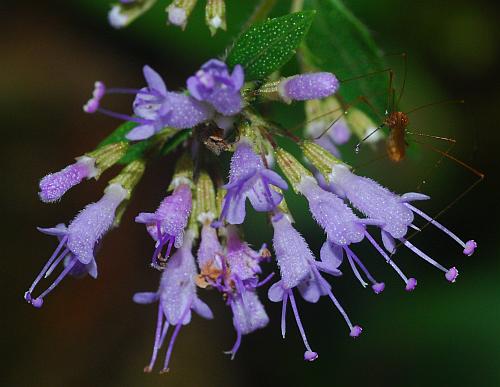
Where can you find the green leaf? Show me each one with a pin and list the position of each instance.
(267, 46)
(338, 42)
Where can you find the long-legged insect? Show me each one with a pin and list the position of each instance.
(396, 144)
(397, 122)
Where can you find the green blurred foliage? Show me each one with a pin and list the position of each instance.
(90, 333)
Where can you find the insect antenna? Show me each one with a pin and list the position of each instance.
(435, 103)
(405, 74)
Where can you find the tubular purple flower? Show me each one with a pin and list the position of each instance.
(154, 107)
(209, 247)
(308, 86)
(292, 252)
(341, 225)
(77, 242)
(249, 178)
(243, 261)
(394, 211)
(55, 185)
(239, 283)
(176, 298)
(300, 269)
(166, 225)
(213, 84)
(248, 315)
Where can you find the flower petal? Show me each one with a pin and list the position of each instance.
(202, 309)
(141, 132)
(154, 80)
(145, 297)
(275, 292)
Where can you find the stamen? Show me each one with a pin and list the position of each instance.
(378, 287)
(410, 283)
(468, 246)
(27, 295)
(309, 355)
(174, 337)
(451, 274)
(236, 345)
(56, 263)
(355, 330)
(283, 314)
(123, 117)
(156, 261)
(123, 90)
(38, 302)
(354, 268)
(161, 331)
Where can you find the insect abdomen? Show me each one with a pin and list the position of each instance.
(396, 146)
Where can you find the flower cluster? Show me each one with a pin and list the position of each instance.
(178, 11)
(196, 229)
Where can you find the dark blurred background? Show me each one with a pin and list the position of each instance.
(89, 333)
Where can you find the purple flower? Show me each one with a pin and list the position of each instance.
(176, 298)
(341, 225)
(55, 185)
(300, 269)
(210, 247)
(213, 84)
(78, 241)
(292, 252)
(243, 261)
(378, 202)
(248, 314)
(394, 212)
(239, 283)
(154, 107)
(343, 228)
(249, 178)
(166, 225)
(308, 86)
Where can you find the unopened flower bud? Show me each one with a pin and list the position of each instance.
(215, 15)
(125, 12)
(206, 210)
(308, 86)
(183, 173)
(179, 11)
